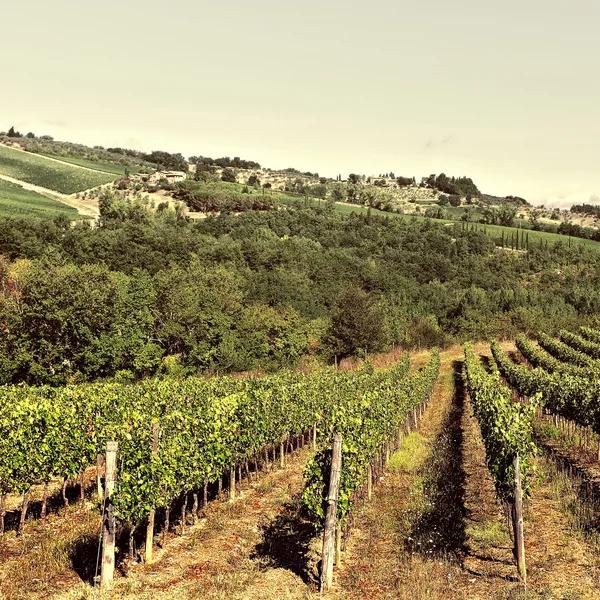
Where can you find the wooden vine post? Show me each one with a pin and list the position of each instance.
(108, 525)
(329, 534)
(517, 519)
(150, 527)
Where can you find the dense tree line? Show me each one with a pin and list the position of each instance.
(152, 292)
(213, 197)
(586, 209)
(203, 162)
(461, 186)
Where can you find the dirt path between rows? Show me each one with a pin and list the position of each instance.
(435, 531)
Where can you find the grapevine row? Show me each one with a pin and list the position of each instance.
(574, 398)
(582, 345)
(544, 360)
(366, 418)
(590, 334)
(204, 426)
(506, 426)
(565, 353)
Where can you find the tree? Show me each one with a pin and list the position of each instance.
(319, 190)
(357, 324)
(228, 175)
(14, 134)
(254, 180)
(506, 215)
(338, 193)
(353, 178)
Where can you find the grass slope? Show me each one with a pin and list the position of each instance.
(49, 174)
(105, 167)
(18, 202)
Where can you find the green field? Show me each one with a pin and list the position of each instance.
(105, 167)
(49, 174)
(18, 202)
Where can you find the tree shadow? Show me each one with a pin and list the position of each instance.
(286, 542)
(440, 529)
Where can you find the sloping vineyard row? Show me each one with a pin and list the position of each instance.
(577, 342)
(565, 353)
(572, 397)
(203, 426)
(548, 362)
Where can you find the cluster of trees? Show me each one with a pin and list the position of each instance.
(213, 197)
(149, 292)
(207, 163)
(165, 160)
(586, 209)
(459, 186)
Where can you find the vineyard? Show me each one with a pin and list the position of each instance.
(175, 438)
(50, 174)
(16, 201)
(161, 450)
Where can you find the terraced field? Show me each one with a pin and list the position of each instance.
(50, 174)
(18, 202)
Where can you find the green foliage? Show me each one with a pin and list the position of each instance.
(204, 427)
(506, 426)
(49, 174)
(366, 407)
(228, 175)
(580, 344)
(357, 324)
(215, 197)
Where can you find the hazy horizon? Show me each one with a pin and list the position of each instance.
(508, 96)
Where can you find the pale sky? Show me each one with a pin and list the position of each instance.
(507, 93)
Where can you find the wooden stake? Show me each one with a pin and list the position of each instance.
(314, 436)
(82, 485)
(518, 522)
(330, 528)
(184, 510)
(281, 456)
(151, 516)
(369, 481)
(232, 483)
(167, 523)
(195, 508)
(108, 526)
(205, 490)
